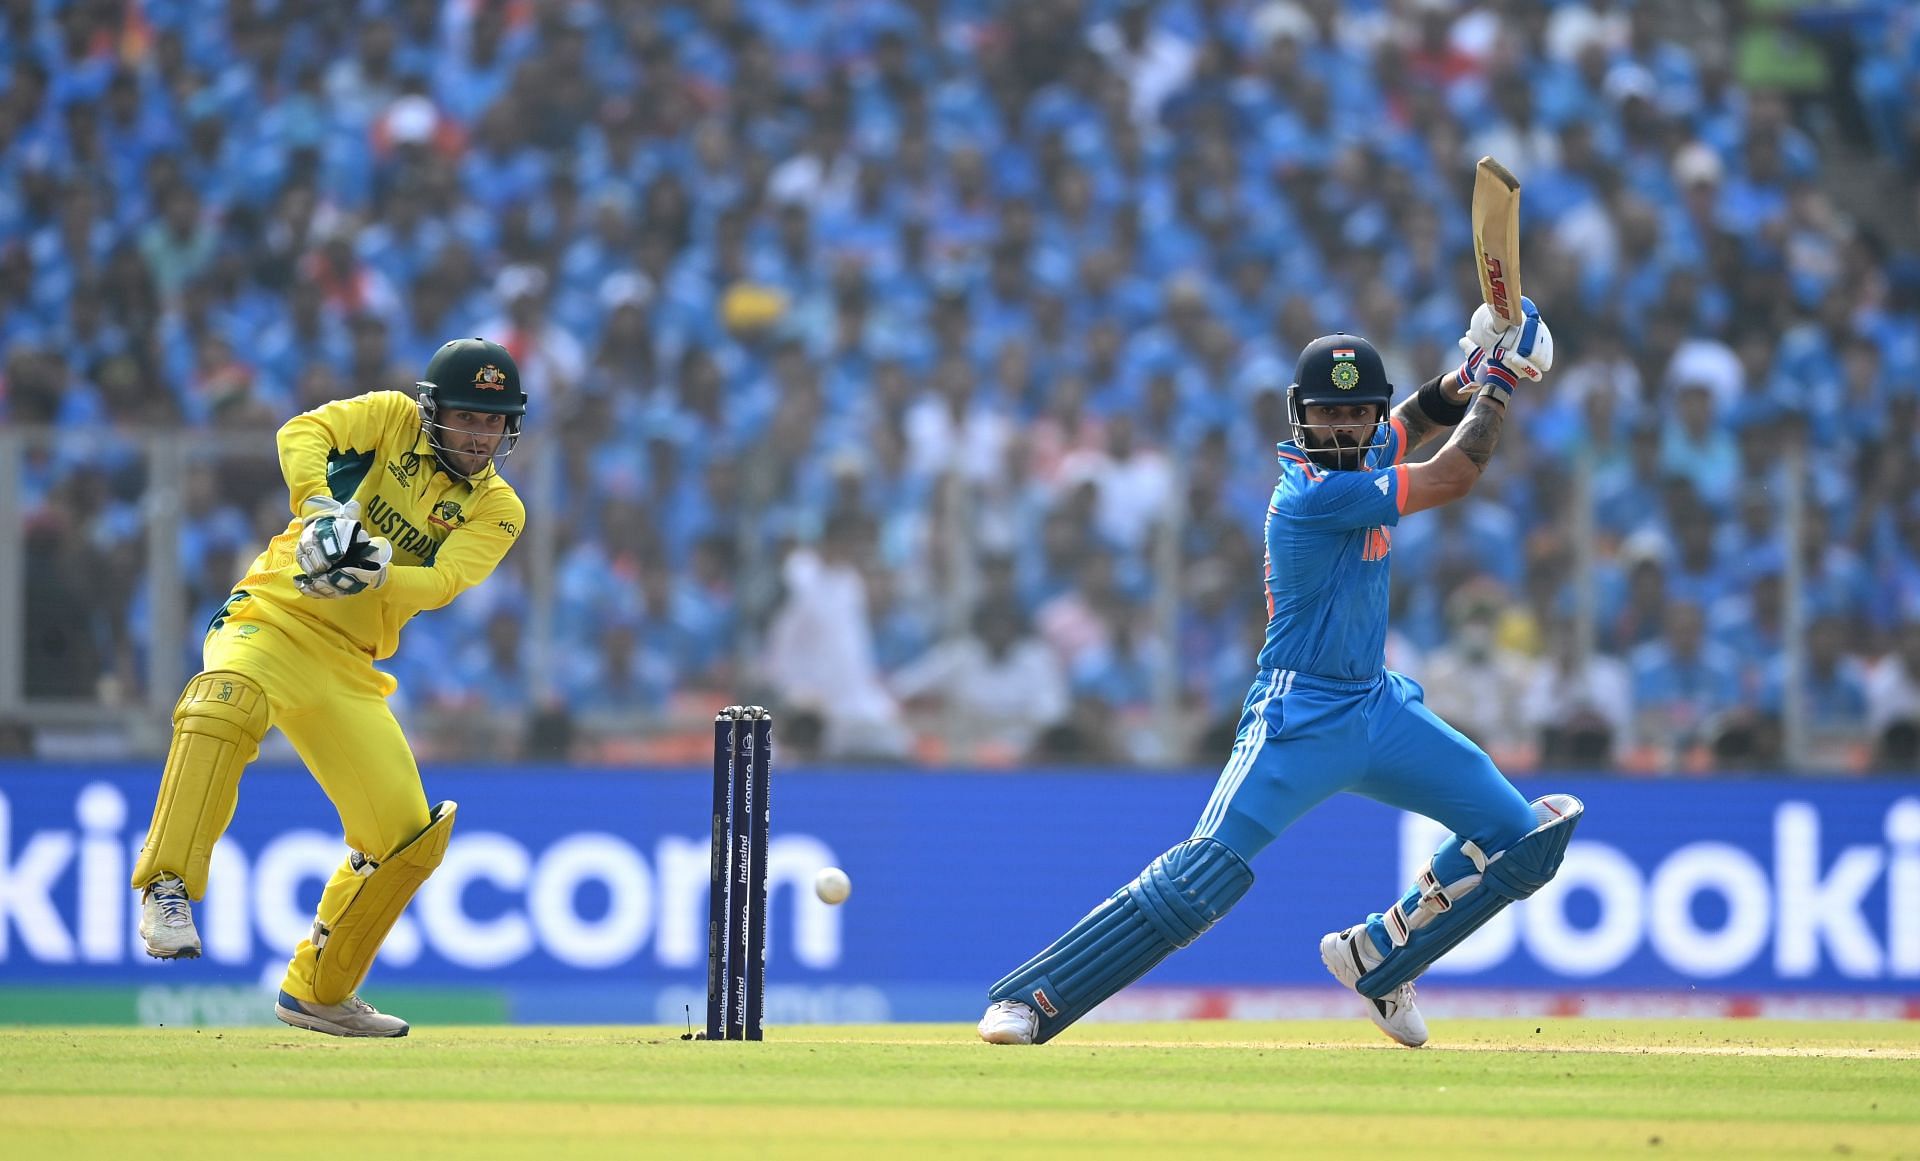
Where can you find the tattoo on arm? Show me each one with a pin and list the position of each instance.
(1479, 433)
(1420, 428)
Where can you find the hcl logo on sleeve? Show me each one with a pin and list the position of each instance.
(254, 907)
(1801, 907)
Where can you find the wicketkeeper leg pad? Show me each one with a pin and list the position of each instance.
(346, 945)
(217, 727)
(1434, 916)
(1175, 900)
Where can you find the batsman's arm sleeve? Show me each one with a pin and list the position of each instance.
(1338, 501)
(313, 441)
(467, 556)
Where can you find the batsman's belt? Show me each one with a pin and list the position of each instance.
(346, 949)
(217, 727)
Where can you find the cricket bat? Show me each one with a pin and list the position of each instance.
(1496, 237)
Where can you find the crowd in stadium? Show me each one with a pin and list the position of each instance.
(901, 352)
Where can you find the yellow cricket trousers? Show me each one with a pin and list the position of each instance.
(331, 703)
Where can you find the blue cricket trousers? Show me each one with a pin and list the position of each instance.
(1303, 739)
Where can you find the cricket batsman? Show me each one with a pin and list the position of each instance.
(1325, 715)
(397, 507)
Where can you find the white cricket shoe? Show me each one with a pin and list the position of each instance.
(351, 1017)
(1009, 1022)
(1349, 955)
(166, 920)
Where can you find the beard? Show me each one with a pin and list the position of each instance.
(1342, 454)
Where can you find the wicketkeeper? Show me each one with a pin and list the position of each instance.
(398, 507)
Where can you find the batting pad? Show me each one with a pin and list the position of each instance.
(217, 726)
(1175, 900)
(1432, 918)
(346, 946)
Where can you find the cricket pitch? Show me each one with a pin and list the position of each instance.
(1484, 1088)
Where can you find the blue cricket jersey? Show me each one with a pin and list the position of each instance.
(1328, 535)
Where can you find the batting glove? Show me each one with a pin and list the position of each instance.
(1519, 353)
(1488, 328)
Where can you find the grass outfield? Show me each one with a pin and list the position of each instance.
(1488, 1088)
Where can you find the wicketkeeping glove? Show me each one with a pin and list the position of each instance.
(328, 535)
(364, 567)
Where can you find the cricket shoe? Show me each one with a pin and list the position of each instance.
(1009, 1022)
(351, 1017)
(1349, 955)
(166, 920)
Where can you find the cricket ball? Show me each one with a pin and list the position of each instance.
(832, 885)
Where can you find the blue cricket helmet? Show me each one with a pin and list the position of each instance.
(1337, 369)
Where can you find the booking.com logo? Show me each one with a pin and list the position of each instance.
(260, 903)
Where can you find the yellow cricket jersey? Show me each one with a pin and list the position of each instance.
(448, 534)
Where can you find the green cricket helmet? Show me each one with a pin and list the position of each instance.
(470, 375)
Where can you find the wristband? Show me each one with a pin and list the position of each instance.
(1497, 382)
(1437, 406)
